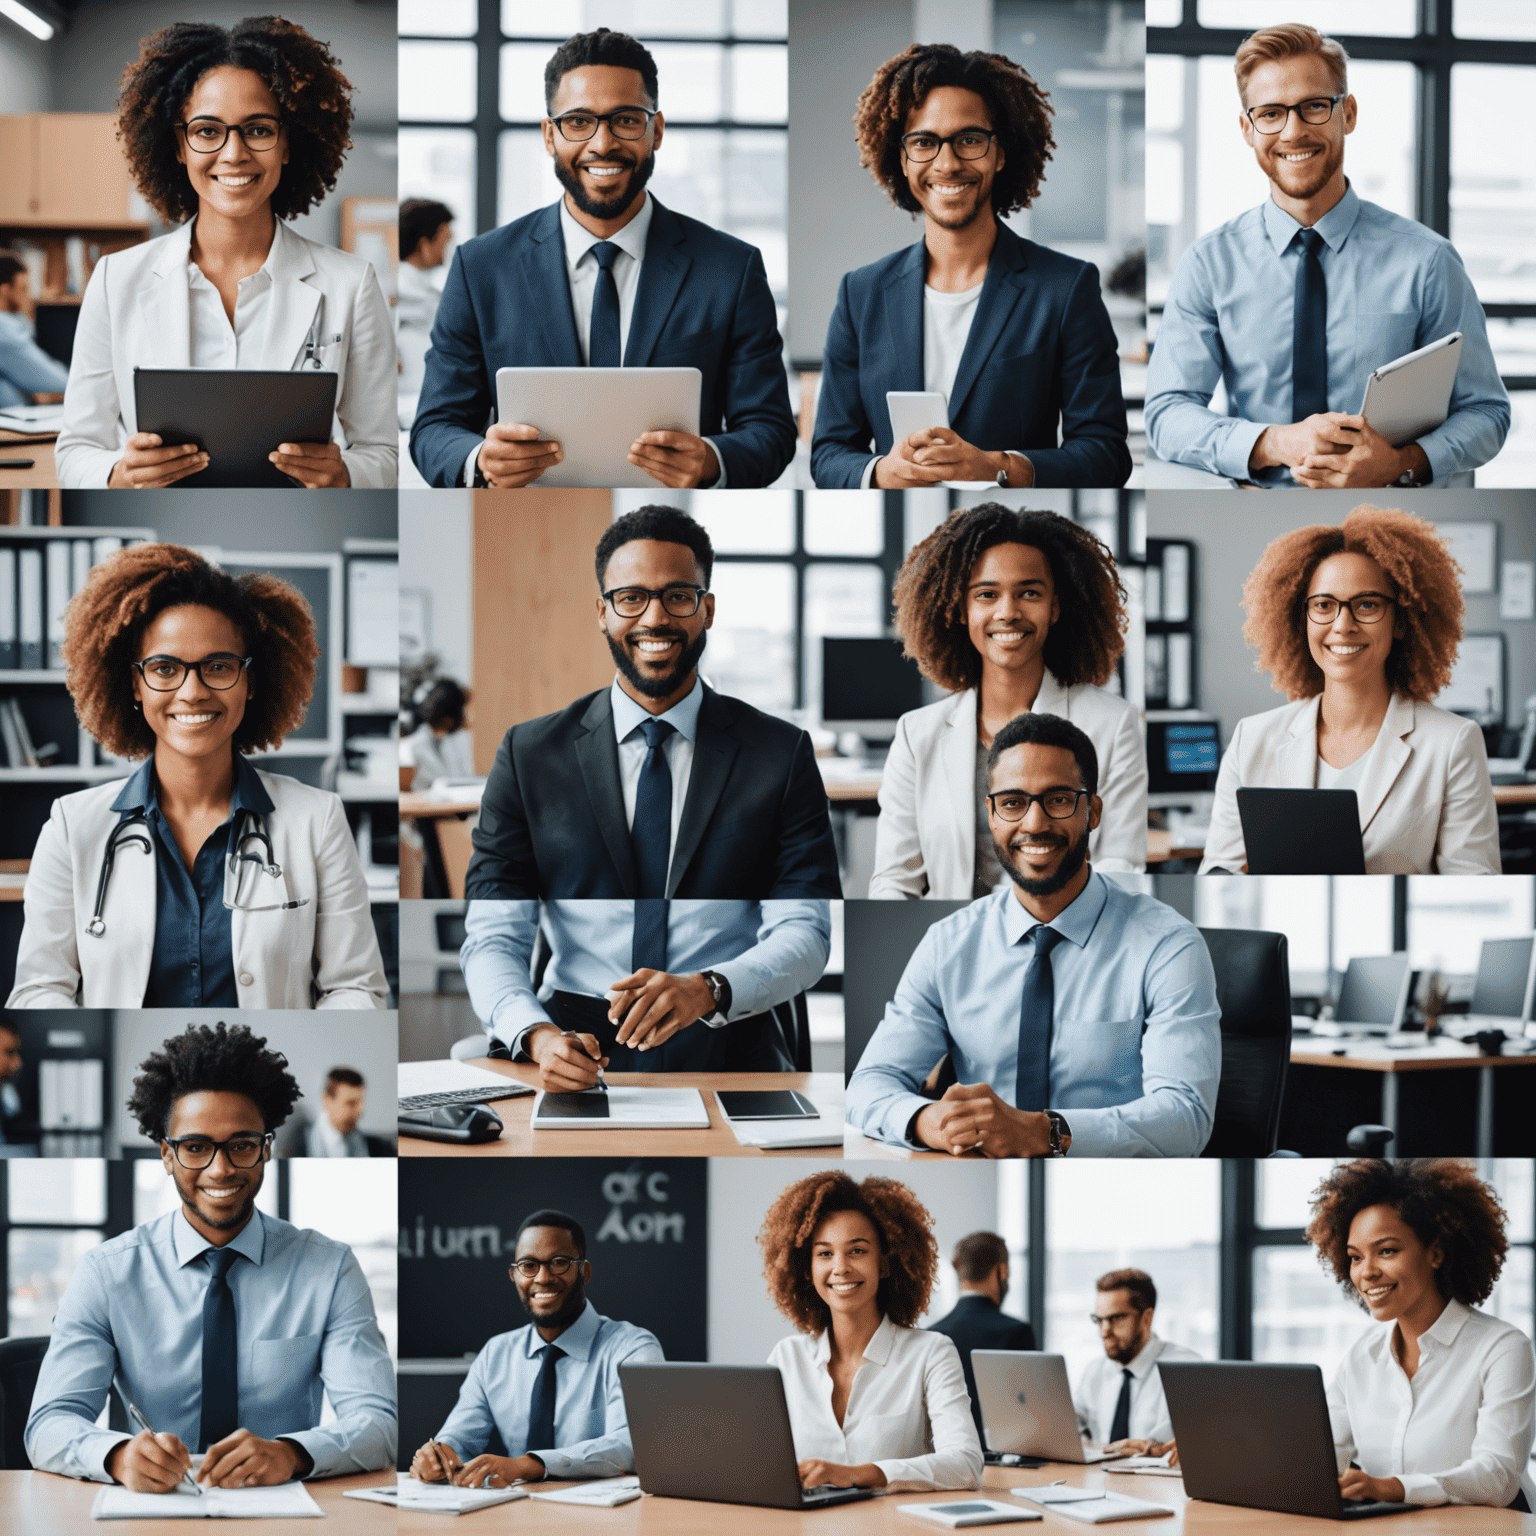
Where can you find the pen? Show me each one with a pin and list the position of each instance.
(143, 1423)
(437, 1451)
(570, 1034)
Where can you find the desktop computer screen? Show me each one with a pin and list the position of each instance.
(1182, 755)
(55, 328)
(1373, 991)
(867, 685)
(1503, 972)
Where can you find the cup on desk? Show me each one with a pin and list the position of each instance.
(1490, 1042)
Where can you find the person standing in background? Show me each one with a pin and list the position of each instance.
(426, 228)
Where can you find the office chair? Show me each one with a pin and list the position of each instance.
(794, 1019)
(20, 1361)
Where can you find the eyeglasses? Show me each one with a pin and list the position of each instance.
(626, 123)
(198, 1152)
(1014, 804)
(207, 135)
(1109, 1319)
(969, 143)
(1365, 607)
(1274, 115)
(557, 1266)
(165, 674)
(680, 600)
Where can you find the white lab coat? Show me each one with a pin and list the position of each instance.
(136, 314)
(1426, 801)
(323, 954)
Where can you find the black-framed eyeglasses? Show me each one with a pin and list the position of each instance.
(626, 123)
(1014, 804)
(557, 1266)
(197, 1152)
(1274, 115)
(680, 600)
(969, 144)
(208, 135)
(1109, 1319)
(1364, 607)
(165, 674)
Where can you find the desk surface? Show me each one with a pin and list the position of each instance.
(41, 477)
(857, 1145)
(1374, 1056)
(1514, 794)
(424, 807)
(1160, 848)
(718, 1141)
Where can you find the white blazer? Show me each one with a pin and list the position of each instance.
(925, 840)
(1426, 801)
(323, 954)
(136, 313)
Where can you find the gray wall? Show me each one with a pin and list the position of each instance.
(24, 74)
(435, 553)
(314, 523)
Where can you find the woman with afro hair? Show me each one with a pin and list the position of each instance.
(1358, 626)
(200, 881)
(1010, 613)
(229, 134)
(874, 1400)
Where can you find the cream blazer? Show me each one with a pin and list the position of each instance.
(1426, 801)
(925, 840)
(320, 955)
(136, 314)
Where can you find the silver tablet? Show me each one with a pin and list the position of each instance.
(1410, 395)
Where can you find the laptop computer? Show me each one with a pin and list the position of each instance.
(1301, 831)
(1502, 997)
(1373, 998)
(718, 1432)
(1258, 1435)
(1026, 1406)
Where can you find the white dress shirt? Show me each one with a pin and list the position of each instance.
(1098, 1393)
(909, 1412)
(1460, 1431)
(628, 717)
(218, 342)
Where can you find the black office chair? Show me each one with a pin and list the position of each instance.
(794, 1019)
(20, 1361)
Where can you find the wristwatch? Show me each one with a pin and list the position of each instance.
(1061, 1134)
(720, 991)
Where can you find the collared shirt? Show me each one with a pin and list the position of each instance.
(218, 341)
(1135, 1040)
(1460, 1431)
(591, 1429)
(908, 1410)
(1098, 1393)
(767, 950)
(25, 369)
(330, 1141)
(305, 1327)
(1393, 286)
(683, 717)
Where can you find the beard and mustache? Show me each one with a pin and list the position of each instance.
(1066, 871)
(657, 687)
(606, 207)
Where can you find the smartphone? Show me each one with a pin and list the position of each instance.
(915, 410)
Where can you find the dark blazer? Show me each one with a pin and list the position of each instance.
(1041, 351)
(754, 825)
(977, 1323)
(703, 302)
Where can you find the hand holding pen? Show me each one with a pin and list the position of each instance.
(151, 1463)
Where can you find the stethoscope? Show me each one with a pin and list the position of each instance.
(317, 341)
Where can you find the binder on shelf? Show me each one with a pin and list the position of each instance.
(26, 755)
(10, 653)
(29, 607)
(8, 737)
(1180, 672)
(79, 564)
(104, 546)
(1175, 584)
(58, 600)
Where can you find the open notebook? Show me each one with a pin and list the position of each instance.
(288, 1501)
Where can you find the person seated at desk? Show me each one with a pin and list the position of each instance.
(440, 747)
(1015, 336)
(558, 1407)
(1075, 1016)
(1359, 625)
(606, 276)
(10, 1070)
(426, 227)
(1011, 612)
(199, 882)
(658, 786)
(874, 1401)
(1366, 286)
(26, 371)
(228, 1329)
(694, 984)
(229, 134)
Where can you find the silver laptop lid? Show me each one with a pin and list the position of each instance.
(1026, 1404)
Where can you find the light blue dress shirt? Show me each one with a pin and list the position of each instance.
(590, 1422)
(767, 950)
(25, 369)
(1136, 1033)
(1393, 285)
(133, 1312)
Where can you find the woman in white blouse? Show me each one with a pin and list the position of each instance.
(1012, 612)
(1359, 626)
(229, 134)
(874, 1402)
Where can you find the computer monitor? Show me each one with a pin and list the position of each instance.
(54, 325)
(1182, 755)
(1374, 991)
(867, 685)
(1503, 978)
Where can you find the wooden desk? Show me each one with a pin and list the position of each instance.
(1160, 848)
(855, 792)
(446, 866)
(44, 1504)
(824, 1088)
(41, 477)
(1514, 794)
(425, 808)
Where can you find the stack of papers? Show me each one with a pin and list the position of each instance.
(1148, 1466)
(1088, 1504)
(285, 1501)
(632, 1109)
(603, 1494)
(824, 1131)
(966, 1512)
(443, 1499)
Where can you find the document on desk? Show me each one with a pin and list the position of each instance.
(621, 1109)
(1147, 1466)
(285, 1501)
(1089, 1505)
(606, 1493)
(826, 1130)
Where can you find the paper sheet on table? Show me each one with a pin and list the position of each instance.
(439, 1498)
(603, 1494)
(635, 1109)
(1147, 1466)
(824, 1131)
(286, 1501)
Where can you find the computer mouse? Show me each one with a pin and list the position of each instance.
(466, 1124)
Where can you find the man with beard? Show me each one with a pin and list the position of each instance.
(1076, 1016)
(1293, 304)
(551, 1389)
(225, 1327)
(606, 277)
(656, 787)
(1013, 335)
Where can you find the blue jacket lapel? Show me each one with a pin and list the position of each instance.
(543, 279)
(662, 272)
(903, 305)
(999, 294)
(714, 751)
(597, 753)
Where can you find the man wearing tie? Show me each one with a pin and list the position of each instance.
(225, 1327)
(551, 1390)
(1365, 286)
(1075, 1016)
(606, 277)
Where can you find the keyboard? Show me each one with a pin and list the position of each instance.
(486, 1095)
(830, 1493)
(1364, 1509)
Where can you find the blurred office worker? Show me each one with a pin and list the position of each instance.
(228, 134)
(703, 998)
(10, 1069)
(440, 747)
(607, 277)
(1365, 287)
(1359, 626)
(335, 1133)
(228, 1329)
(551, 1389)
(1076, 1016)
(1014, 336)
(658, 786)
(26, 371)
(1011, 612)
(425, 230)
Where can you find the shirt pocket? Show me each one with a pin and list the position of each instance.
(1382, 337)
(276, 1359)
(1104, 1058)
(890, 1436)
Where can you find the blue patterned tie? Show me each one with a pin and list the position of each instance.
(1033, 1086)
(221, 1391)
(651, 837)
(541, 1411)
(603, 338)
(1309, 337)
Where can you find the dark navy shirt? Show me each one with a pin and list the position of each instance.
(193, 965)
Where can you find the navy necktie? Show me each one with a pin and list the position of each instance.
(221, 1392)
(1033, 1089)
(1120, 1429)
(603, 338)
(1309, 338)
(541, 1410)
(651, 837)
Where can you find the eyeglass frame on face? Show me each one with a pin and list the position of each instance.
(1030, 799)
(229, 128)
(651, 594)
(599, 118)
(1113, 1317)
(564, 1260)
(990, 134)
(263, 1142)
(1294, 106)
(192, 666)
(1346, 602)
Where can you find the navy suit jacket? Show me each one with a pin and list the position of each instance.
(702, 302)
(1041, 351)
(976, 1323)
(754, 823)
